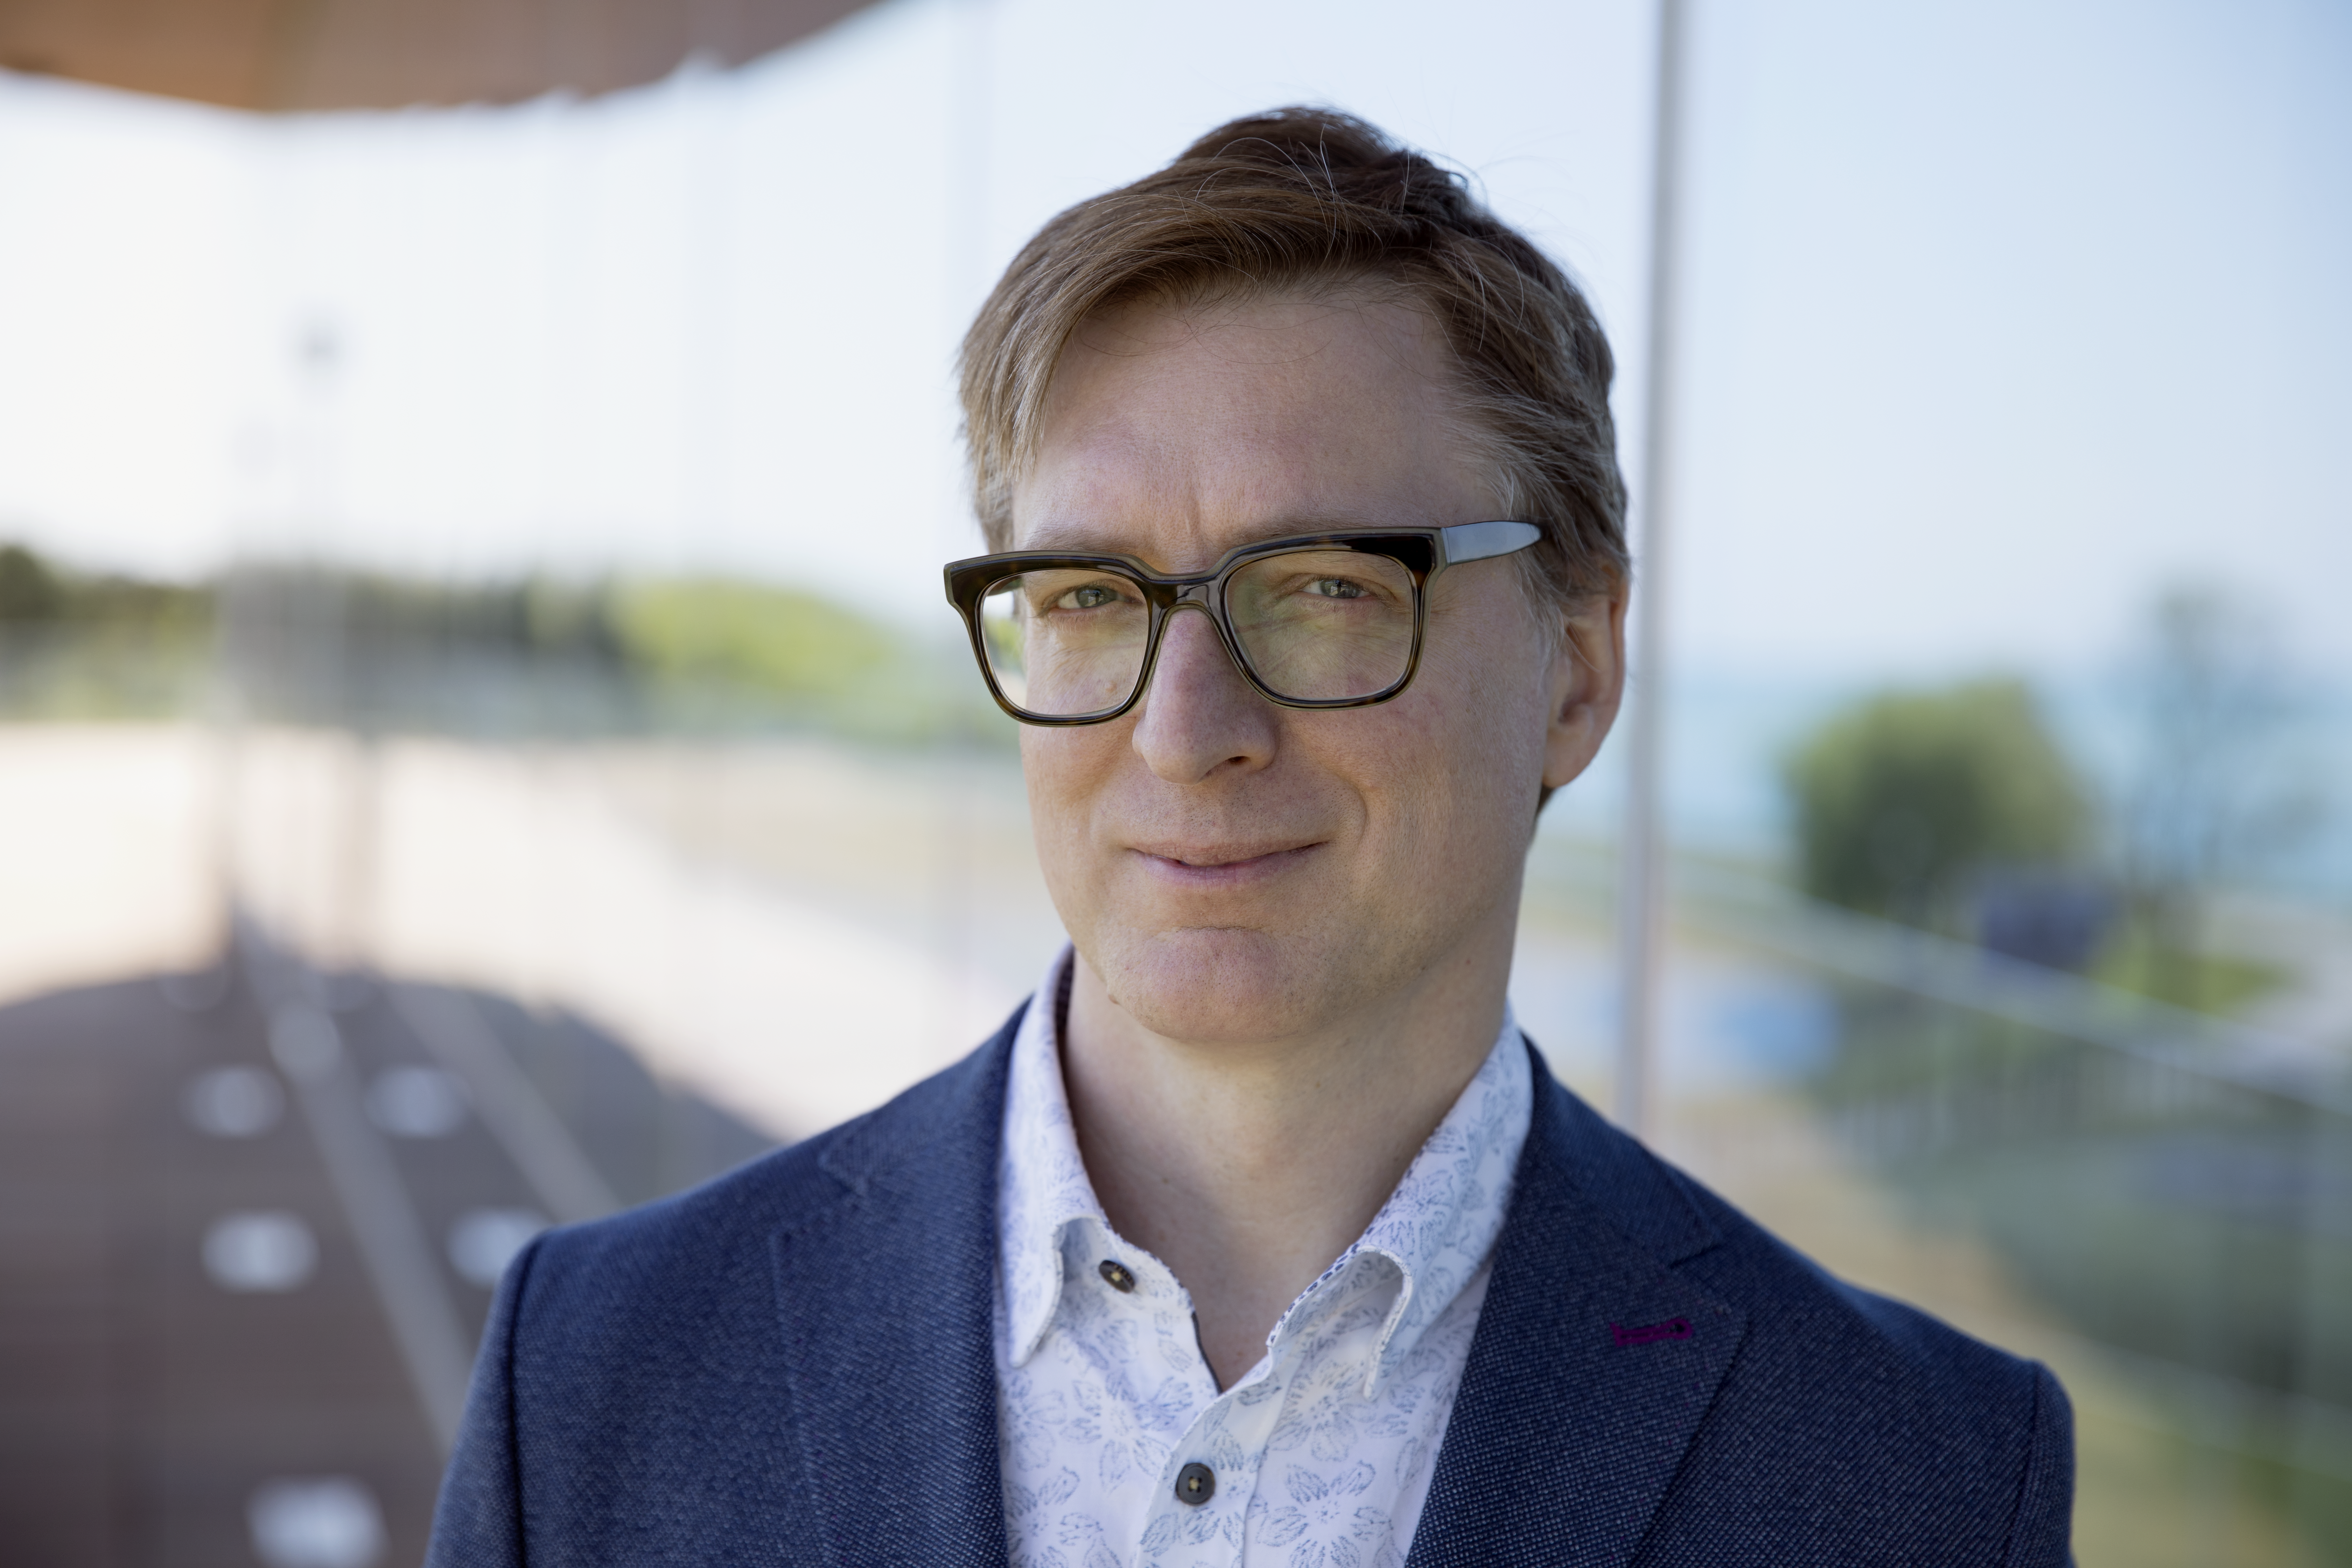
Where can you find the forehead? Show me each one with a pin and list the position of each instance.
(1175, 433)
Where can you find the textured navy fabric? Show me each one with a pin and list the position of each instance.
(1798, 1420)
(792, 1366)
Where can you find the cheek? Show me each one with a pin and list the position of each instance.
(1419, 769)
(1394, 757)
(1066, 771)
(1048, 765)
(1478, 717)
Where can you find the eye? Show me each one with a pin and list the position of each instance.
(1335, 588)
(1092, 596)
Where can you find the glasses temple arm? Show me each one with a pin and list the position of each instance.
(1479, 540)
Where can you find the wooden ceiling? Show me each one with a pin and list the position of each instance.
(384, 53)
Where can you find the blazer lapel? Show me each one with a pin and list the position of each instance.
(888, 1301)
(1593, 1363)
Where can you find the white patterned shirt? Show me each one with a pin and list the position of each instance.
(1321, 1454)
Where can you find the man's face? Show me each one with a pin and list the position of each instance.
(1238, 871)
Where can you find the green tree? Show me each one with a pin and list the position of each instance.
(1901, 797)
(780, 640)
(2211, 795)
(29, 591)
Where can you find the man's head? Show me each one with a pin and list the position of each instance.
(1294, 328)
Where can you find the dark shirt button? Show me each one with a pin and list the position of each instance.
(1116, 1274)
(1195, 1484)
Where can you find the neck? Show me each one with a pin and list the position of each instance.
(1247, 1168)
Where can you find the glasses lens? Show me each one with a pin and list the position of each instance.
(1323, 625)
(1064, 643)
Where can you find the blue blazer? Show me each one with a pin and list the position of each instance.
(793, 1365)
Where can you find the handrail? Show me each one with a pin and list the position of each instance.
(1966, 975)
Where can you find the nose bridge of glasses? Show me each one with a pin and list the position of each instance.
(1197, 596)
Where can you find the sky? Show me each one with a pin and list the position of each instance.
(1995, 317)
(2008, 314)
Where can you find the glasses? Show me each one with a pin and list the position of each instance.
(1323, 620)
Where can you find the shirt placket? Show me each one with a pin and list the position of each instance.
(1230, 1439)
(1202, 1501)
(1134, 1289)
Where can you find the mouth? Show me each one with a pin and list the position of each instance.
(1214, 866)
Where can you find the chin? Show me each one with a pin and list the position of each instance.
(1219, 984)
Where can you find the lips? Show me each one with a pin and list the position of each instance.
(1222, 865)
(1204, 857)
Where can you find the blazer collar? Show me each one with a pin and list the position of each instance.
(887, 1298)
(1593, 1363)
(1594, 1359)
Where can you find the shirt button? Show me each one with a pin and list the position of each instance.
(1195, 1484)
(1115, 1274)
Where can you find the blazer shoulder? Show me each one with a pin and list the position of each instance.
(1839, 1403)
(647, 1378)
(713, 1232)
(1682, 1224)
(1890, 1411)
(1785, 1293)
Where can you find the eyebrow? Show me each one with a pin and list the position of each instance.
(1072, 539)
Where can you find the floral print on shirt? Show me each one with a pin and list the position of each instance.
(1323, 1451)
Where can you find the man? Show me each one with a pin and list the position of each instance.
(1260, 1234)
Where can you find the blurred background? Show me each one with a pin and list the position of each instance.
(479, 727)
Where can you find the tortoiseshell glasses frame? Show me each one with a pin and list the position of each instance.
(1413, 558)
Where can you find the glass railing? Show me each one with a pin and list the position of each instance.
(2157, 1203)
(327, 986)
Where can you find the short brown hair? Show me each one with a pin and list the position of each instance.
(1310, 199)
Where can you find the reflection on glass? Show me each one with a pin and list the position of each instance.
(416, 1102)
(1324, 625)
(1313, 625)
(484, 1241)
(1066, 642)
(260, 1250)
(234, 1102)
(305, 1042)
(328, 1521)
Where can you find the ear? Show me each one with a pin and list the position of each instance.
(1587, 681)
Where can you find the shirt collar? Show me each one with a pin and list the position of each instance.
(1042, 1183)
(1433, 1235)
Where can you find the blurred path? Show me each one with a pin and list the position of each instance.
(249, 1225)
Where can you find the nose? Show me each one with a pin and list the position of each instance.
(1200, 716)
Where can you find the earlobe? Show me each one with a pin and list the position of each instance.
(1587, 681)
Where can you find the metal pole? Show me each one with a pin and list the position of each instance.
(1641, 898)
